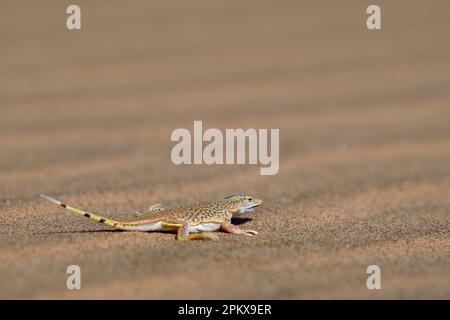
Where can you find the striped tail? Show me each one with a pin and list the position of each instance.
(81, 213)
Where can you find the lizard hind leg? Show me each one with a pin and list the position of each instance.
(183, 234)
(203, 236)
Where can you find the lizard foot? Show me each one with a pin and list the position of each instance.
(203, 236)
(250, 232)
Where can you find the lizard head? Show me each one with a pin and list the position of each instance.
(241, 203)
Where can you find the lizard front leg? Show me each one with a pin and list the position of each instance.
(231, 228)
(183, 234)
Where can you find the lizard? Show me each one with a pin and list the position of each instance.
(194, 222)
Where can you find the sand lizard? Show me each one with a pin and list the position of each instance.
(199, 218)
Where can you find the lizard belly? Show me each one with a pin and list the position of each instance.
(204, 227)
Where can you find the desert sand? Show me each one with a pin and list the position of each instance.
(364, 118)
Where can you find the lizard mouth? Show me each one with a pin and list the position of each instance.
(250, 208)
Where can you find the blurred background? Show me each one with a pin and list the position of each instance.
(364, 119)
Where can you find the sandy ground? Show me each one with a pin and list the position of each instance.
(364, 120)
